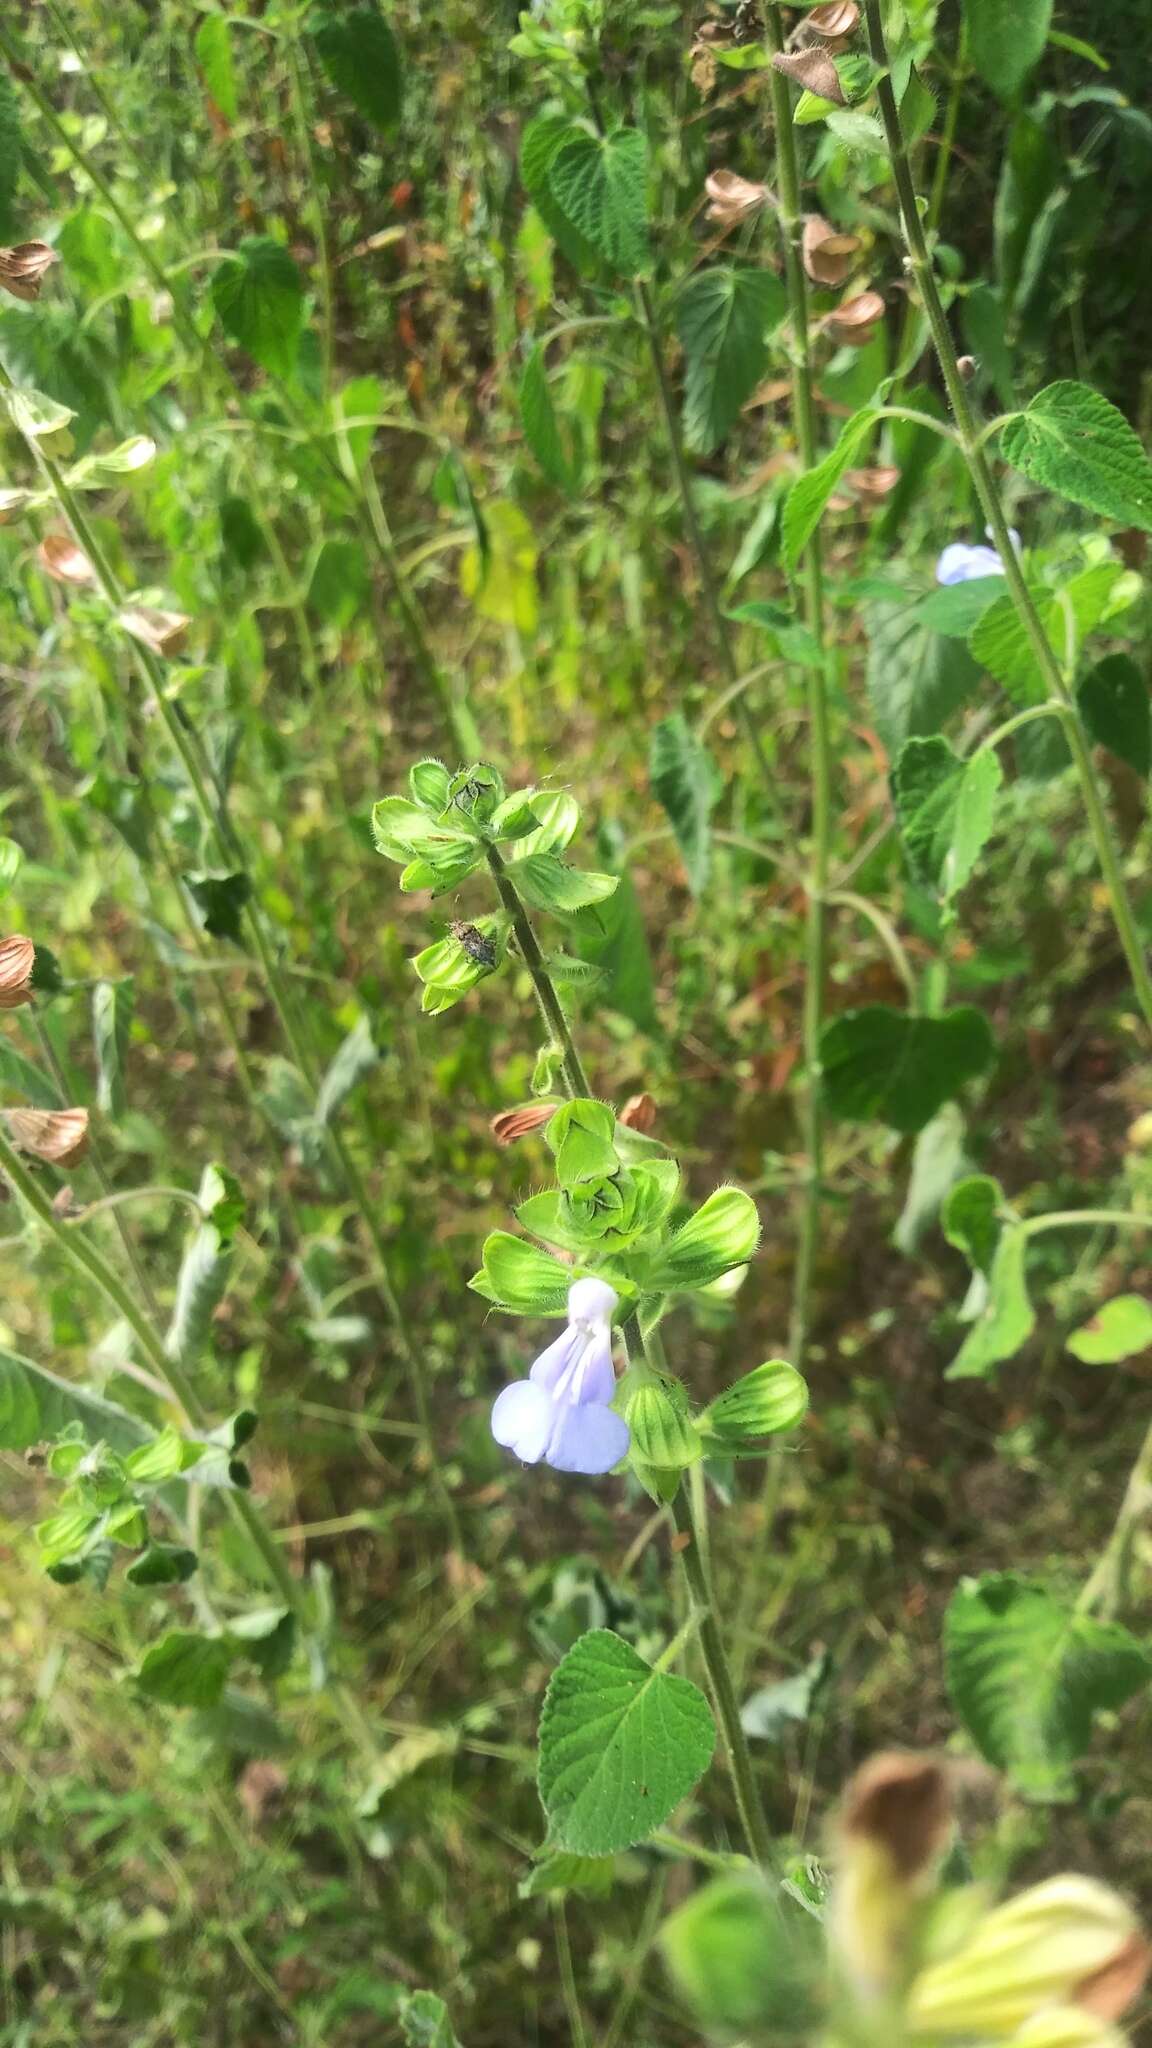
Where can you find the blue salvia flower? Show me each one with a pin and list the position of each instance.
(560, 1413)
(962, 562)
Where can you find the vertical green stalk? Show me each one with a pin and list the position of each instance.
(723, 1691)
(1107, 1586)
(988, 496)
(556, 1023)
(816, 679)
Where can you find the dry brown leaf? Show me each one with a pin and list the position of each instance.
(828, 255)
(814, 70)
(17, 959)
(164, 632)
(856, 320)
(59, 1136)
(22, 269)
(733, 198)
(65, 562)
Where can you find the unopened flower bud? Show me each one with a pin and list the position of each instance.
(1070, 1941)
(639, 1113)
(894, 1826)
(517, 1123)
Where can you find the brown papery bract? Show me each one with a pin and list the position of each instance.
(733, 198)
(17, 959)
(59, 1136)
(22, 269)
(902, 1802)
(815, 71)
(65, 562)
(856, 321)
(163, 632)
(518, 1123)
(639, 1112)
(835, 23)
(828, 255)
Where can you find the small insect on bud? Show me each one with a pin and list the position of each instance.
(17, 959)
(59, 1136)
(65, 562)
(732, 198)
(967, 367)
(518, 1123)
(828, 255)
(815, 71)
(23, 269)
(475, 944)
(855, 322)
(164, 632)
(835, 23)
(639, 1112)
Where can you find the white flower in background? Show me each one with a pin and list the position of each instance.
(963, 561)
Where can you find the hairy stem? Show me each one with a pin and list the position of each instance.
(988, 496)
(556, 1023)
(816, 680)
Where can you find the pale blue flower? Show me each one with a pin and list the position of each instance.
(560, 1413)
(962, 562)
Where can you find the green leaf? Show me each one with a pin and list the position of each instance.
(685, 782)
(971, 1218)
(424, 2021)
(259, 301)
(362, 58)
(748, 1963)
(1027, 1674)
(938, 1159)
(185, 1670)
(267, 1637)
(213, 46)
(899, 1068)
(917, 678)
(1005, 39)
(355, 1057)
(1118, 1330)
(341, 585)
(541, 427)
(1073, 442)
(542, 142)
(724, 1232)
(520, 1278)
(221, 901)
(1007, 1318)
(620, 1746)
(562, 1872)
(945, 808)
(1113, 703)
(771, 1398)
(804, 505)
(954, 608)
(557, 815)
(917, 109)
(111, 1024)
(599, 184)
(204, 1267)
(549, 884)
(722, 318)
(663, 1432)
(769, 1712)
(162, 1564)
(10, 154)
(35, 1405)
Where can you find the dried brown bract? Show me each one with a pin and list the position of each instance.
(639, 1112)
(59, 1136)
(814, 70)
(518, 1123)
(65, 562)
(902, 1804)
(856, 321)
(733, 198)
(835, 23)
(872, 484)
(23, 269)
(828, 255)
(17, 959)
(163, 632)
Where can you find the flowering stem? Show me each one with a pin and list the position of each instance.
(820, 748)
(752, 1814)
(984, 485)
(1106, 1588)
(575, 1079)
